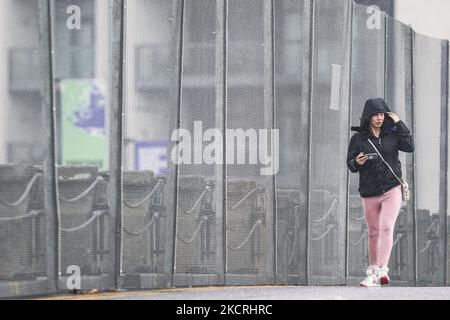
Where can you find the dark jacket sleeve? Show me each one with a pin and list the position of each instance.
(405, 141)
(352, 153)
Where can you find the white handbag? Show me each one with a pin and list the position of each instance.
(405, 187)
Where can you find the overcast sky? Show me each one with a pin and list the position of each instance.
(429, 17)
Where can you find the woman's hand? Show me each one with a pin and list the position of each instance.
(361, 159)
(394, 117)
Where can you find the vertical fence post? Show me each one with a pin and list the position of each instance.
(308, 98)
(447, 220)
(275, 156)
(410, 169)
(386, 55)
(220, 107)
(443, 164)
(172, 178)
(224, 141)
(350, 92)
(115, 141)
(414, 193)
(269, 124)
(49, 125)
(304, 128)
(273, 126)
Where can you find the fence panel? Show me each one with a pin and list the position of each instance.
(82, 90)
(197, 235)
(329, 138)
(368, 61)
(399, 84)
(151, 100)
(428, 109)
(249, 210)
(291, 32)
(24, 112)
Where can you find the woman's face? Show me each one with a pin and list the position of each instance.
(377, 120)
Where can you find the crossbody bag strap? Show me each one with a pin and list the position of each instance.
(385, 161)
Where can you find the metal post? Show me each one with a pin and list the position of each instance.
(221, 67)
(225, 112)
(172, 178)
(49, 123)
(347, 203)
(268, 124)
(115, 141)
(386, 37)
(274, 126)
(346, 101)
(447, 220)
(310, 102)
(305, 106)
(308, 99)
(414, 193)
(275, 157)
(443, 164)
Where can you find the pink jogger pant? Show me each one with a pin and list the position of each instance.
(381, 213)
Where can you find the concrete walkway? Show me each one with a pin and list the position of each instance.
(274, 293)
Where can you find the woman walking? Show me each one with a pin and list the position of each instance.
(380, 190)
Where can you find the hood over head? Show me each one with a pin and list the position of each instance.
(371, 108)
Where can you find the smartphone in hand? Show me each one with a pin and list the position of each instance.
(371, 156)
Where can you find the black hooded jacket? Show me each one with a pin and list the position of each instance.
(375, 178)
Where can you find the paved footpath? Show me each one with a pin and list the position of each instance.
(273, 293)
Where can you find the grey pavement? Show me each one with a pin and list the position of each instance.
(276, 293)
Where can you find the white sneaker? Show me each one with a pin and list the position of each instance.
(371, 280)
(382, 275)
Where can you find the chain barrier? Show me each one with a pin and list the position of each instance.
(96, 214)
(148, 196)
(257, 223)
(24, 194)
(155, 216)
(84, 193)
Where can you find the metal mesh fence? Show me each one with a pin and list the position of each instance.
(429, 62)
(23, 147)
(367, 80)
(94, 174)
(80, 82)
(291, 30)
(248, 214)
(329, 135)
(150, 89)
(398, 93)
(196, 218)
